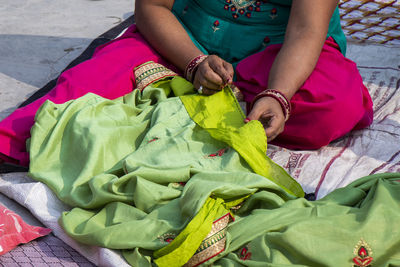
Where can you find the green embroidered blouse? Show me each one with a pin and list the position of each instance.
(235, 29)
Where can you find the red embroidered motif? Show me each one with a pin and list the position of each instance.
(273, 14)
(245, 254)
(362, 254)
(219, 153)
(152, 140)
(167, 237)
(266, 41)
(185, 10)
(215, 26)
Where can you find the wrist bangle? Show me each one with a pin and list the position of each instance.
(278, 96)
(192, 66)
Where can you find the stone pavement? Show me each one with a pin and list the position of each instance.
(38, 38)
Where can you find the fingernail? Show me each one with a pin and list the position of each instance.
(247, 120)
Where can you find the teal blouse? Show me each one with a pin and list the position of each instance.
(235, 29)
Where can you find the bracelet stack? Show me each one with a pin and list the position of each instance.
(191, 68)
(278, 96)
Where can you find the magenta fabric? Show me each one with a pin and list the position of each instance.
(109, 73)
(330, 103)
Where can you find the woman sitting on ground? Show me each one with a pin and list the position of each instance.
(286, 57)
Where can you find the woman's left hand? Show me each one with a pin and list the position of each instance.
(269, 112)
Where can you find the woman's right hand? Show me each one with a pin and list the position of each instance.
(213, 74)
(269, 112)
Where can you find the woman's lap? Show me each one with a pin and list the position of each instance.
(332, 101)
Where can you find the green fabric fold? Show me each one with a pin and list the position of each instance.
(138, 171)
(138, 162)
(325, 232)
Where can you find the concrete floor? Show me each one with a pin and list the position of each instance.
(38, 38)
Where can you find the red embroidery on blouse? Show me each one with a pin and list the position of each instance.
(274, 13)
(185, 10)
(215, 26)
(266, 41)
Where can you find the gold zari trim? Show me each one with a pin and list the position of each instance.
(151, 72)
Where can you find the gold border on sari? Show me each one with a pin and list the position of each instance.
(213, 244)
(151, 72)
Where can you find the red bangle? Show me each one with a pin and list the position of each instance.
(191, 67)
(278, 96)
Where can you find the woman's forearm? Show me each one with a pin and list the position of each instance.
(294, 63)
(164, 32)
(305, 36)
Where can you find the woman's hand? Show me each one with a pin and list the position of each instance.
(269, 112)
(213, 74)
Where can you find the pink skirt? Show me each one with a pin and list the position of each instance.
(331, 102)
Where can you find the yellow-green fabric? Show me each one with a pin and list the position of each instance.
(221, 115)
(184, 246)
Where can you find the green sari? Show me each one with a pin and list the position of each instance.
(182, 180)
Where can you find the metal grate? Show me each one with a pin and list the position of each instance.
(375, 21)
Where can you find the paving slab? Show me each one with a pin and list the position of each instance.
(38, 38)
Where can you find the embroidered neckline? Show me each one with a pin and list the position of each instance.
(243, 7)
(242, 3)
